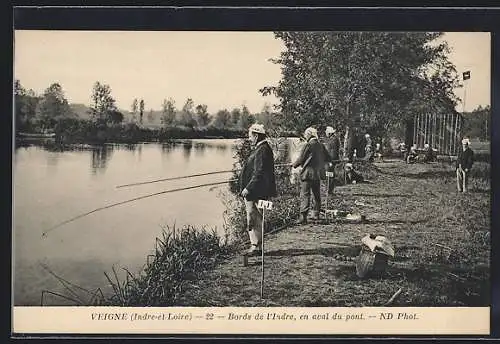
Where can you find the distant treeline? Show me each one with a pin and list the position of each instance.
(477, 123)
(102, 121)
(86, 131)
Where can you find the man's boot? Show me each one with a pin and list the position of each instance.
(302, 219)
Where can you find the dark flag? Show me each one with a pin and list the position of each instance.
(466, 75)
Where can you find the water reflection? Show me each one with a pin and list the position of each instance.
(166, 149)
(52, 160)
(100, 158)
(187, 146)
(199, 148)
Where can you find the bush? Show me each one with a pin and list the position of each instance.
(177, 259)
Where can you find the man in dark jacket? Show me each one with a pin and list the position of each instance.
(257, 182)
(312, 160)
(464, 163)
(332, 146)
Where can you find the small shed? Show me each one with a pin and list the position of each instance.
(442, 132)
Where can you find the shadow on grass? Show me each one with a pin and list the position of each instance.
(396, 221)
(428, 175)
(435, 285)
(379, 195)
(349, 251)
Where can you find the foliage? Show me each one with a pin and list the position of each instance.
(103, 103)
(25, 105)
(186, 115)
(134, 108)
(179, 256)
(477, 124)
(222, 119)
(202, 115)
(168, 111)
(372, 80)
(141, 110)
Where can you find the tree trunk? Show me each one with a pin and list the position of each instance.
(347, 135)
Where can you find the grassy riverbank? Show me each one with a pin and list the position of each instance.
(415, 206)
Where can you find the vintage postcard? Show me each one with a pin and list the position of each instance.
(249, 183)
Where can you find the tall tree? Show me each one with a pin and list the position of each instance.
(134, 108)
(141, 110)
(266, 116)
(25, 104)
(246, 118)
(52, 107)
(370, 80)
(187, 117)
(222, 119)
(235, 117)
(168, 112)
(202, 115)
(151, 116)
(102, 103)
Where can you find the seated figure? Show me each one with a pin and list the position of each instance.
(351, 176)
(412, 155)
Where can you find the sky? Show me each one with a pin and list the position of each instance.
(219, 69)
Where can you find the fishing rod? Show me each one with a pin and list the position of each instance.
(187, 176)
(44, 234)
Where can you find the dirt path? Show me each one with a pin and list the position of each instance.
(415, 206)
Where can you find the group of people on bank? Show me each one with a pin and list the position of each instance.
(257, 178)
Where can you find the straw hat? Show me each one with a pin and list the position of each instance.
(310, 132)
(257, 128)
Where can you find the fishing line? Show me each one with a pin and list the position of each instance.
(188, 176)
(44, 234)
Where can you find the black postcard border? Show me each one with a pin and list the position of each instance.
(254, 18)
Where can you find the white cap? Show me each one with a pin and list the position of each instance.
(348, 166)
(329, 130)
(257, 128)
(310, 132)
(367, 135)
(465, 141)
(426, 145)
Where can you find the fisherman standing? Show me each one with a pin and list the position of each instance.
(463, 166)
(257, 182)
(312, 160)
(332, 146)
(368, 148)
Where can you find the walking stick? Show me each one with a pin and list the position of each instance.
(263, 205)
(328, 176)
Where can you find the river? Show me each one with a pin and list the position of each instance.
(53, 186)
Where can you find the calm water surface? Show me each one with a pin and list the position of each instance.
(50, 187)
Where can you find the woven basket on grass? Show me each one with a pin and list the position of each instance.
(370, 263)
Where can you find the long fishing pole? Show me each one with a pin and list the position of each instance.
(174, 178)
(188, 176)
(44, 234)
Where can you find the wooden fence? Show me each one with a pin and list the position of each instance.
(441, 132)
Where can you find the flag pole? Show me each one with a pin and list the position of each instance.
(262, 254)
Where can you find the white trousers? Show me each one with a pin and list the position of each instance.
(254, 222)
(462, 180)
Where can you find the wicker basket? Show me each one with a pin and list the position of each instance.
(370, 263)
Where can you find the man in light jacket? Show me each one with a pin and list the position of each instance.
(312, 160)
(257, 182)
(464, 163)
(332, 146)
